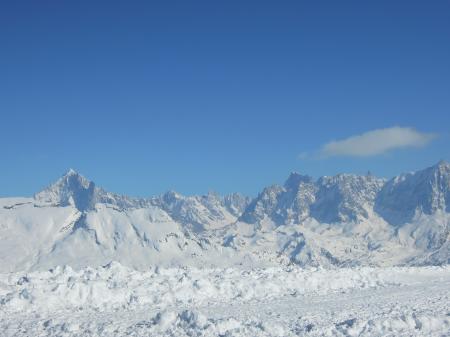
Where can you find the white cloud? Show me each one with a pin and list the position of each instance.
(377, 142)
(303, 155)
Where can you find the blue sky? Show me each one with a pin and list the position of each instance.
(146, 96)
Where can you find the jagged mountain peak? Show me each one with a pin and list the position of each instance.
(341, 178)
(339, 198)
(72, 176)
(330, 220)
(440, 171)
(442, 168)
(329, 199)
(295, 179)
(71, 172)
(443, 163)
(200, 212)
(345, 197)
(69, 180)
(171, 196)
(76, 190)
(71, 189)
(405, 196)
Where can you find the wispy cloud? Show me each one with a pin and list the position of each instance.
(376, 142)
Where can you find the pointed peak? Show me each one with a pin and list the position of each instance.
(442, 163)
(173, 192)
(70, 189)
(442, 168)
(171, 196)
(296, 178)
(73, 178)
(212, 195)
(297, 175)
(71, 172)
(236, 195)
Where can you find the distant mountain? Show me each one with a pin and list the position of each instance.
(332, 221)
(405, 196)
(201, 213)
(197, 212)
(75, 190)
(341, 198)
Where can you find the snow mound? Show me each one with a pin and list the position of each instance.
(117, 301)
(400, 325)
(116, 287)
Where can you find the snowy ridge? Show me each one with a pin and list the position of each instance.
(201, 213)
(405, 196)
(342, 198)
(345, 220)
(72, 189)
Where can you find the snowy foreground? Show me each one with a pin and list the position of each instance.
(117, 301)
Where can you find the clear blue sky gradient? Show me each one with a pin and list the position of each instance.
(146, 96)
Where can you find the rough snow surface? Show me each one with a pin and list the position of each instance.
(282, 301)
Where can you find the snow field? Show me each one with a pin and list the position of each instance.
(117, 301)
(115, 286)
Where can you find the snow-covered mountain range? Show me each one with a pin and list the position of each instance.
(341, 220)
